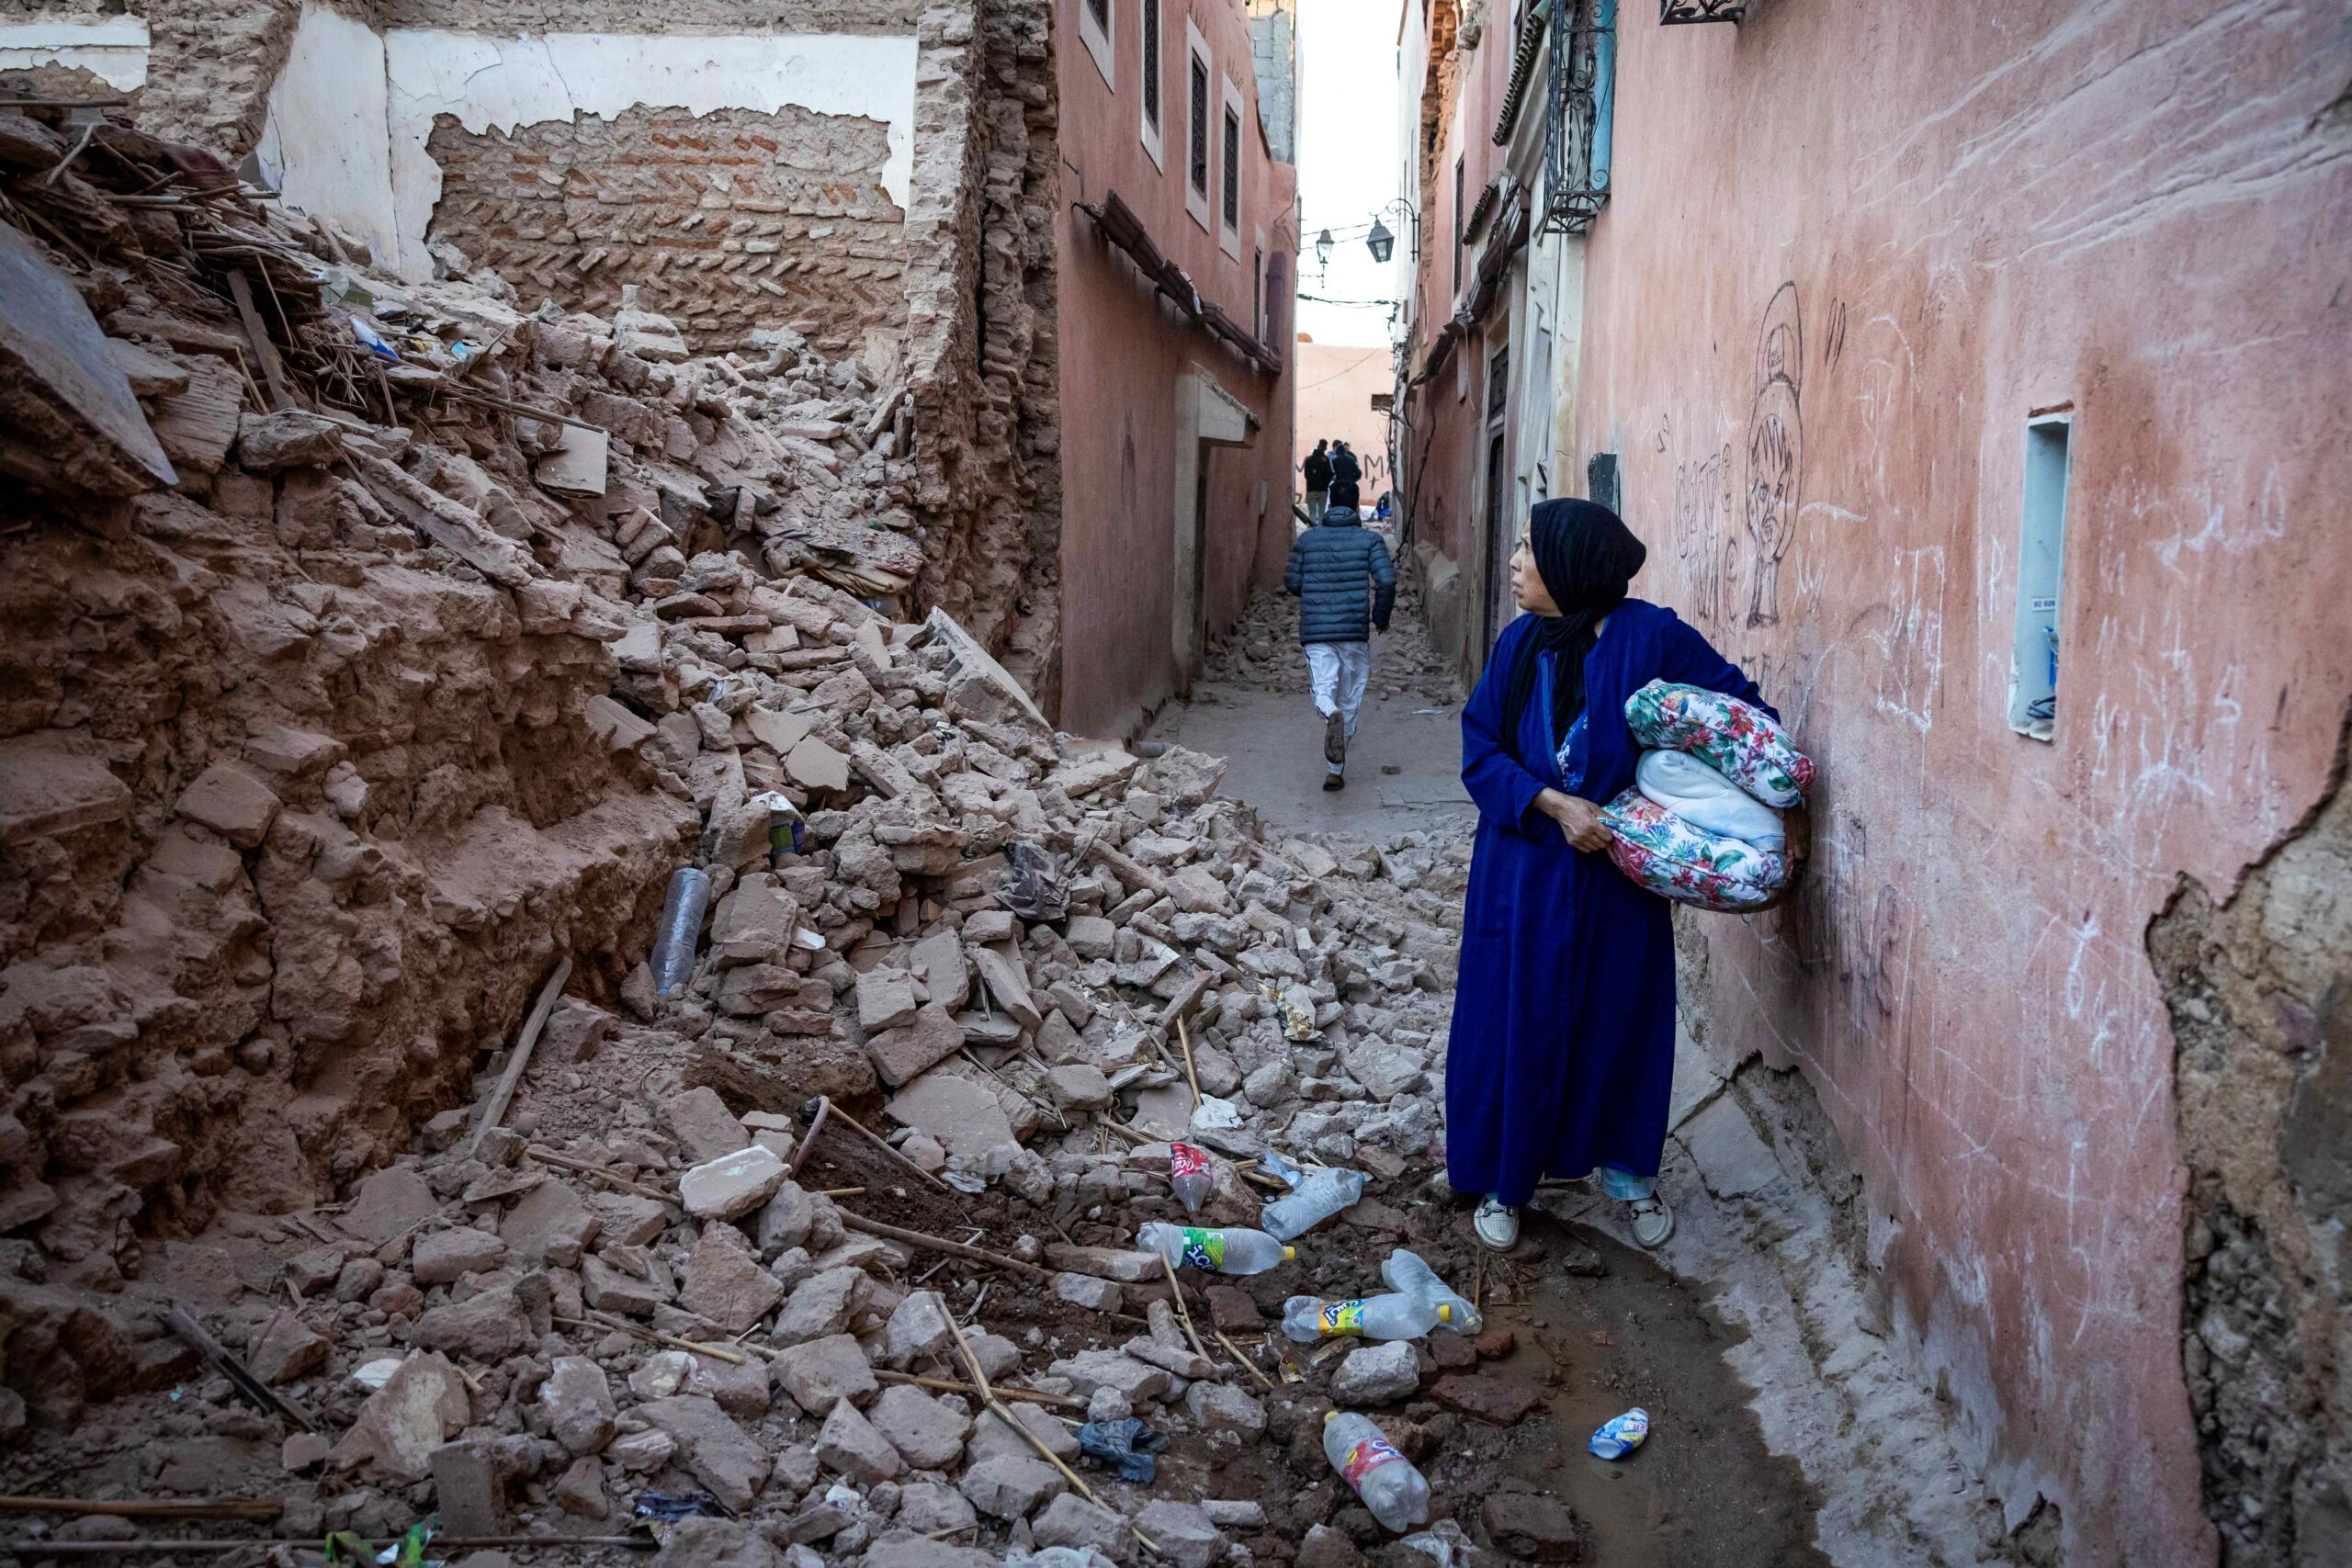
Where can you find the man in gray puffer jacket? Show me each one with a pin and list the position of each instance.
(1332, 565)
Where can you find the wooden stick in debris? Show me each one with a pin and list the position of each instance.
(1247, 1364)
(1183, 1313)
(956, 1385)
(936, 1244)
(483, 400)
(192, 1333)
(816, 1125)
(1191, 1071)
(565, 1162)
(494, 1108)
(884, 1146)
(1134, 874)
(726, 1353)
(189, 1508)
(241, 294)
(65, 103)
(996, 1406)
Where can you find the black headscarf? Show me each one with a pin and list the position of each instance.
(1586, 556)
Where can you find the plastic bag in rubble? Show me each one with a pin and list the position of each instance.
(1126, 1444)
(664, 1507)
(1298, 1017)
(1036, 893)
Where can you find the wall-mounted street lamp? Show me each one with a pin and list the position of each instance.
(1381, 241)
(1323, 248)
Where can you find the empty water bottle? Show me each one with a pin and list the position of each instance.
(681, 928)
(1386, 1480)
(1230, 1251)
(1406, 1271)
(1321, 1195)
(1399, 1316)
(1188, 1168)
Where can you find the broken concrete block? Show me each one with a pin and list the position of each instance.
(732, 1185)
(938, 960)
(233, 802)
(46, 791)
(724, 1283)
(849, 1444)
(286, 1349)
(287, 438)
(815, 765)
(885, 998)
(389, 1203)
(1070, 1520)
(918, 1328)
(1376, 1374)
(705, 1128)
(577, 1400)
(445, 1256)
(924, 1430)
(929, 1037)
(1011, 1486)
(753, 923)
(967, 1119)
(1134, 1381)
(824, 1305)
(719, 1453)
(1221, 1407)
(551, 1223)
(822, 1373)
(1086, 1290)
(1007, 981)
(1078, 1086)
(421, 1406)
(1183, 1531)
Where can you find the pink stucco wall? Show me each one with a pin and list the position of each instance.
(1336, 386)
(1124, 350)
(1902, 228)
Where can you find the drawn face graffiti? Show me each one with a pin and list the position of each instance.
(1775, 450)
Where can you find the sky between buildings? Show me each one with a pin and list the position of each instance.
(1346, 162)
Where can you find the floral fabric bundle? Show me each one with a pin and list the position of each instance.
(1738, 739)
(1688, 865)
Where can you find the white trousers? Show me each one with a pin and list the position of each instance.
(1339, 670)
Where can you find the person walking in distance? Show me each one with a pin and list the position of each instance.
(1347, 475)
(1318, 469)
(1346, 585)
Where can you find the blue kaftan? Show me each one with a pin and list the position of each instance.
(1562, 1052)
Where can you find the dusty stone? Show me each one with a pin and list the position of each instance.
(823, 1304)
(1183, 1531)
(1232, 1310)
(1494, 1344)
(1086, 1290)
(1070, 1520)
(1106, 1262)
(233, 802)
(1376, 1374)
(732, 1185)
(1091, 936)
(1323, 1547)
(724, 1283)
(285, 1350)
(705, 1128)
(1732, 1159)
(922, 1428)
(753, 924)
(903, 1054)
(1532, 1526)
(822, 1373)
(447, 1255)
(885, 998)
(1234, 1513)
(1134, 1381)
(741, 1390)
(389, 1204)
(719, 1453)
(1489, 1397)
(579, 1490)
(1003, 973)
(1452, 1352)
(967, 1119)
(850, 1444)
(420, 1406)
(1011, 1486)
(993, 1437)
(489, 1326)
(700, 1541)
(641, 1451)
(925, 1507)
(1079, 1087)
(1219, 1407)
(918, 1328)
(939, 961)
(551, 1223)
(608, 1288)
(785, 1220)
(287, 438)
(577, 1401)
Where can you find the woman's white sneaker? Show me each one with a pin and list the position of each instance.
(1653, 1220)
(1496, 1224)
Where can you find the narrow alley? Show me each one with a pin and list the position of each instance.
(690, 871)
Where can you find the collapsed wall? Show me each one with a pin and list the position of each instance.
(2258, 985)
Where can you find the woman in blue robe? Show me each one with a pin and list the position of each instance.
(1562, 1053)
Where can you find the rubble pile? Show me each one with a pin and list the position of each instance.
(362, 693)
(1262, 650)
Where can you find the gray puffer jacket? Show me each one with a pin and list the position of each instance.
(1331, 566)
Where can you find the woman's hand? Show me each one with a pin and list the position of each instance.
(1579, 819)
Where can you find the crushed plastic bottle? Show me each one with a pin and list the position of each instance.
(1229, 1251)
(1321, 1195)
(1406, 1271)
(1307, 1318)
(1386, 1480)
(675, 938)
(1188, 1168)
(1621, 1435)
(787, 831)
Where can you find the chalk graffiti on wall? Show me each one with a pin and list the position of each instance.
(1775, 450)
(1702, 544)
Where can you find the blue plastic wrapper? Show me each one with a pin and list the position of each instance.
(1128, 1444)
(1621, 1435)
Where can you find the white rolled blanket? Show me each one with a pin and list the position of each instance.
(1703, 797)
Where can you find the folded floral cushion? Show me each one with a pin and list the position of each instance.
(1678, 860)
(1739, 740)
(1702, 797)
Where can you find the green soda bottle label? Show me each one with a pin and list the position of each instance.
(1205, 1249)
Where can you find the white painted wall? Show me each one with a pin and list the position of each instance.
(324, 145)
(113, 48)
(350, 116)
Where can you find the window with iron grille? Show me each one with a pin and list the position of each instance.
(1151, 62)
(1200, 148)
(1232, 170)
